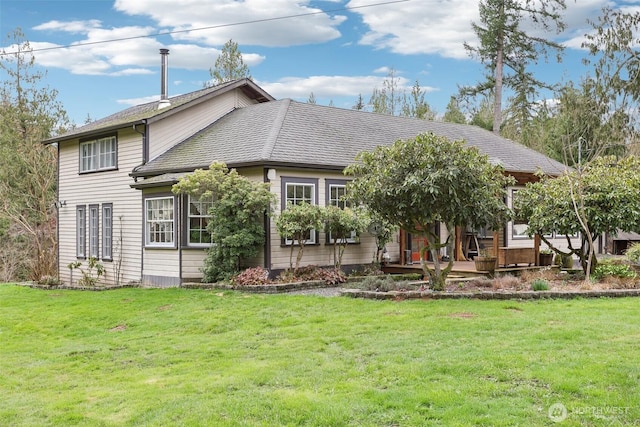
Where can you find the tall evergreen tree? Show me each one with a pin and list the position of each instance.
(229, 65)
(507, 50)
(453, 114)
(29, 114)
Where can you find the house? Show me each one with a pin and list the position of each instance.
(115, 176)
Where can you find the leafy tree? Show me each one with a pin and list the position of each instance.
(482, 115)
(388, 99)
(29, 114)
(427, 180)
(453, 114)
(229, 65)
(504, 45)
(237, 217)
(414, 105)
(602, 197)
(296, 223)
(616, 66)
(383, 231)
(341, 224)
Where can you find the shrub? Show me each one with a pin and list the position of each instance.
(378, 283)
(372, 269)
(633, 253)
(540, 285)
(311, 273)
(606, 269)
(254, 276)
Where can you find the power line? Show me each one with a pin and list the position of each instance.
(166, 33)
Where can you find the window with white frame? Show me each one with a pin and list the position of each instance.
(94, 223)
(107, 231)
(198, 219)
(296, 191)
(336, 194)
(159, 222)
(81, 231)
(98, 154)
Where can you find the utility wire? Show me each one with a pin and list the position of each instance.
(166, 33)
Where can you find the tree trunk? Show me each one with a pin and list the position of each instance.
(497, 99)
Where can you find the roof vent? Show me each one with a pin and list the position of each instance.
(164, 83)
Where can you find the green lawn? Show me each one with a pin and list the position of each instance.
(196, 357)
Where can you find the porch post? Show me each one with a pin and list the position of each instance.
(536, 247)
(458, 254)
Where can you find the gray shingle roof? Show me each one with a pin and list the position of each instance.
(290, 133)
(150, 111)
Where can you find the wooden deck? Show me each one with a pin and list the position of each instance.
(460, 269)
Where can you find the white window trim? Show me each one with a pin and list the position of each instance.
(81, 231)
(94, 231)
(330, 201)
(107, 231)
(97, 150)
(308, 182)
(147, 231)
(189, 216)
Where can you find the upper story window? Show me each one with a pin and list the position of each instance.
(98, 154)
(198, 219)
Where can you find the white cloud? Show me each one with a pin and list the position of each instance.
(263, 28)
(81, 27)
(331, 86)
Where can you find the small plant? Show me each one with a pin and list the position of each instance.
(312, 272)
(254, 276)
(378, 283)
(633, 253)
(546, 251)
(540, 285)
(88, 278)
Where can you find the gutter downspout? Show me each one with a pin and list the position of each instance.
(145, 158)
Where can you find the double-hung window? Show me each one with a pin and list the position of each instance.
(81, 231)
(296, 191)
(336, 194)
(159, 222)
(94, 223)
(98, 154)
(198, 219)
(107, 231)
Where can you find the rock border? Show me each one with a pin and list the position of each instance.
(490, 295)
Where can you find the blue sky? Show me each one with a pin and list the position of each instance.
(337, 54)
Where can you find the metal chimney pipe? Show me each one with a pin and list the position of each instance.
(164, 81)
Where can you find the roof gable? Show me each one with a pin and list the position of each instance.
(149, 112)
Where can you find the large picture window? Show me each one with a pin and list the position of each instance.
(159, 222)
(296, 191)
(198, 220)
(81, 231)
(107, 231)
(98, 154)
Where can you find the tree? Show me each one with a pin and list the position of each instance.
(388, 99)
(505, 45)
(429, 179)
(296, 223)
(359, 105)
(414, 105)
(229, 65)
(341, 224)
(237, 217)
(453, 114)
(29, 114)
(312, 99)
(601, 197)
(616, 67)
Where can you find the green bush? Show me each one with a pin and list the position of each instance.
(605, 269)
(633, 253)
(540, 285)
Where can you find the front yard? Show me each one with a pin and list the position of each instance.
(201, 357)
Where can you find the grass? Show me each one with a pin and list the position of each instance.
(195, 357)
